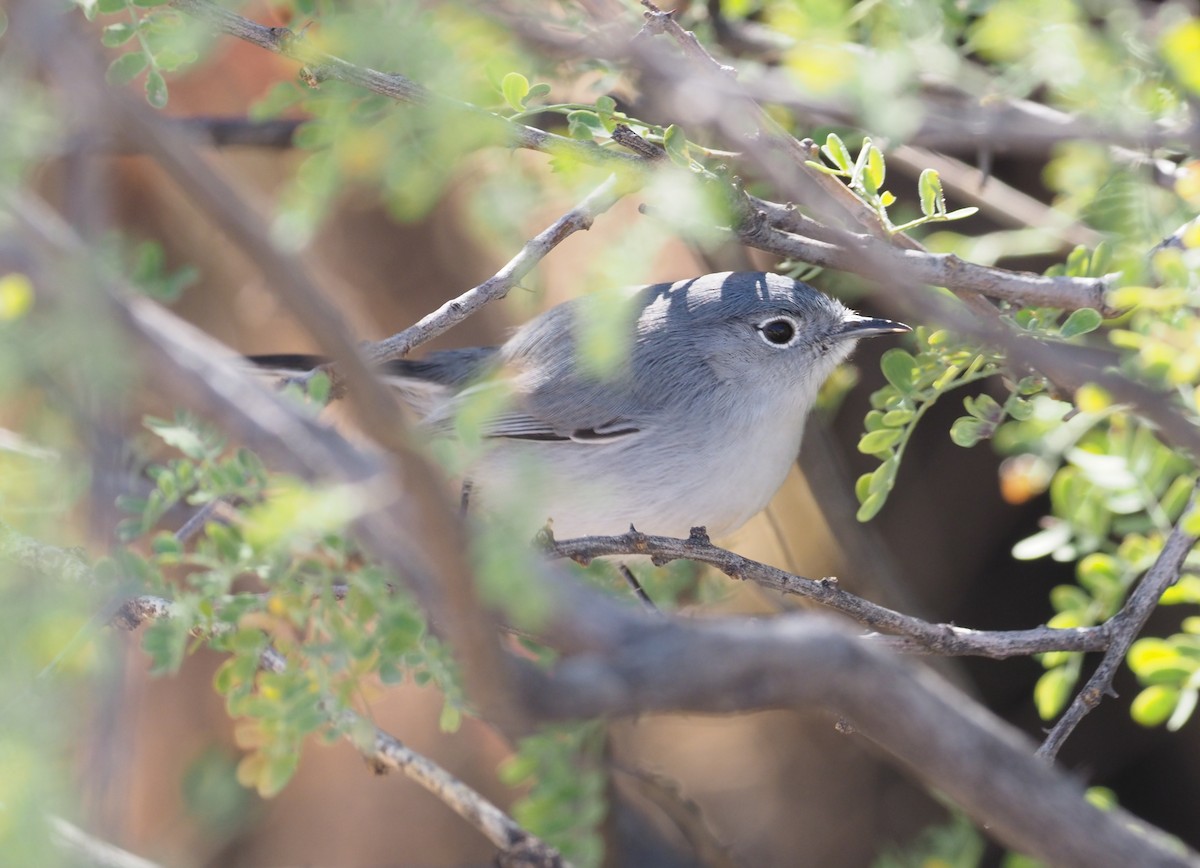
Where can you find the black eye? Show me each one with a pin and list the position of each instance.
(778, 331)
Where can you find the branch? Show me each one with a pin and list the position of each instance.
(456, 310)
(1126, 625)
(942, 737)
(913, 635)
(93, 851)
(774, 150)
(772, 229)
(517, 846)
(392, 85)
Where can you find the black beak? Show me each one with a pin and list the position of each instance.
(855, 327)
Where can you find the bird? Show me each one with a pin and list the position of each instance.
(696, 426)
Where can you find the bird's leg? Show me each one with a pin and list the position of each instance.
(636, 586)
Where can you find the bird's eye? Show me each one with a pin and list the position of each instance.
(778, 332)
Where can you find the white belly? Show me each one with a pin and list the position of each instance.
(589, 489)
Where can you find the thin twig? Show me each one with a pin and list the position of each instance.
(636, 587)
(456, 310)
(1125, 627)
(90, 850)
(911, 634)
(885, 263)
(517, 846)
(392, 85)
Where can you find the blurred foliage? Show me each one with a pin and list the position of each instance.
(957, 843)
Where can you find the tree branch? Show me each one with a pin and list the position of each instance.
(941, 737)
(912, 635)
(516, 845)
(392, 85)
(1125, 627)
(456, 310)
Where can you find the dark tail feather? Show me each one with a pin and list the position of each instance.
(445, 367)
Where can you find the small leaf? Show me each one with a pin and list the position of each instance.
(125, 68)
(676, 144)
(887, 198)
(862, 487)
(835, 149)
(930, 187)
(897, 418)
(875, 171)
(537, 92)
(871, 506)
(110, 7)
(1183, 710)
(148, 3)
(962, 212)
(1052, 691)
(605, 105)
(1154, 705)
(1043, 542)
(900, 369)
(156, 89)
(515, 88)
(967, 431)
(117, 34)
(1080, 322)
(879, 441)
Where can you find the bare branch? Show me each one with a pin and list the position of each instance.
(939, 735)
(913, 635)
(92, 850)
(1125, 627)
(456, 310)
(885, 263)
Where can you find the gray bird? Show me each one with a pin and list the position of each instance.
(698, 427)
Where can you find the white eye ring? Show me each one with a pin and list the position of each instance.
(779, 332)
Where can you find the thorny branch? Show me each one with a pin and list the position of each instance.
(909, 634)
(1125, 627)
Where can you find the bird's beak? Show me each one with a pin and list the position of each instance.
(855, 326)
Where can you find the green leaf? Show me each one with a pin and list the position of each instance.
(605, 105)
(930, 187)
(537, 92)
(862, 487)
(900, 369)
(967, 431)
(125, 68)
(276, 772)
(1154, 705)
(677, 148)
(450, 719)
(515, 88)
(835, 149)
(875, 171)
(871, 506)
(117, 34)
(1081, 321)
(1052, 691)
(897, 418)
(887, 198)
(1183, 709)
(148, 3)
(156, 89)
(111, 7)
(880, 441)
